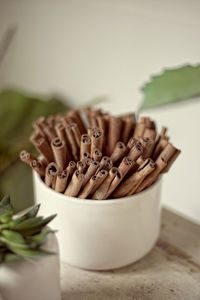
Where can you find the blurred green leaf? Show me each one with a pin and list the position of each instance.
(40, 238)
(17, 113)
(172, 85)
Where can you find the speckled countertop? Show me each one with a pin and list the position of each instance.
(170, 271)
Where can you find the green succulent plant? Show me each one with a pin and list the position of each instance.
(21, 236)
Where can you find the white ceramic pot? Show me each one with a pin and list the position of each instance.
(102, 235)
(32, 279)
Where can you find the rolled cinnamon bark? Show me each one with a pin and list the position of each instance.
(139, 130)
(171, 161)
(73, 141)
(71, 168)
(76, 117)
(123, 169)
(44, 149)
(38, 167)
(26, 157)
(85, 145)
(97, 155)
(86, 191)
(49, 132)
(75, 184)
(101, 175)
(60, 153)
(51, 121)
(152, 177)
(167, 152)
(100, 193)
(140, 160)
(51, 174)
(35, 136)
(105, 163)
(128, 127)
(96, 141)
(61, 133)
(159, 148)
(61, 181)
(81, 166)
(39, 124)
(132, 141)
(116, 181)
(119, 152)
(150, 134)
(114, 132)
(148, 147)
(135, 151)
(86, 155)
(90, 171)
(144, 170)
(129, 186)
(77, 133)
(125, 165)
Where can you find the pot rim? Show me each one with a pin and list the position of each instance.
(98, 202)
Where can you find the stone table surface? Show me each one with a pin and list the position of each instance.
(170, 271)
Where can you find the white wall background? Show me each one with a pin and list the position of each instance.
(88, 48)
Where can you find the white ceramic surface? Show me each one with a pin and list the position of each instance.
(32, 279)
(102, 235)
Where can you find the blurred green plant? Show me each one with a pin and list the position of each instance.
(21, 236)
(17, 113)
(172, 85)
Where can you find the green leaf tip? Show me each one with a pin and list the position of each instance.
(22, 236)
(172, 85)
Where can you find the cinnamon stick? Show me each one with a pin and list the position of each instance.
(37, 166)
(128, 127)
(71, 168)
(139, 130)
(116, 181)
(114, 132)
(148, 147)
(81, 166)
(119, 152)
(76, 117)
(101, 192)
(96, 141)
(44, 149)
(97, 155)
(171, 161)
(60, 153)
(149, 133)
(26, 157)
(159, 166)
(85, 145)
(61, 181)
(51, 174)
(101, 175)
(129, 186)
(39, 124)
(159, 148)
(73, 140)
(135, 151)
(91, 171)
(105, 163)
(88, 187)
(75, 184)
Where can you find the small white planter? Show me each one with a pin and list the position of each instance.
(32, 279)
(102, 235)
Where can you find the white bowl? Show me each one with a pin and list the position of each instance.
(102, 235)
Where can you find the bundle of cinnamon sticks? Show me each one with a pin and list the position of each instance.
(111, 157)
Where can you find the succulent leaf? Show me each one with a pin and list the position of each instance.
(23, 236)
(40, 238)
(5, 201)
